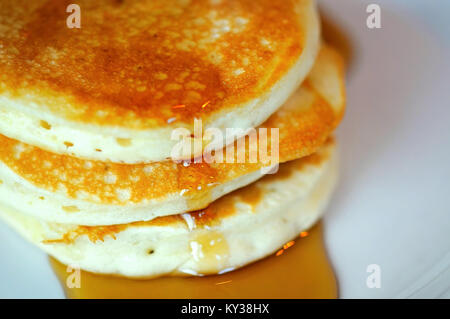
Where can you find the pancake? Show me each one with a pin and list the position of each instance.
(240, 228)
(115, 89)
(64, 189)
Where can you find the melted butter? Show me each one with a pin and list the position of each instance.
(301, 271)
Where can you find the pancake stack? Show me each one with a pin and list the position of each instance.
(88, 170)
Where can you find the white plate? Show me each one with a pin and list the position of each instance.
(392, 207)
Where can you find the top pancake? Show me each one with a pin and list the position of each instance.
(114, 89)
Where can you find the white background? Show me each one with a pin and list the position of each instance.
(392, 206)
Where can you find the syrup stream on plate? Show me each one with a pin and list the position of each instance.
(300, 269)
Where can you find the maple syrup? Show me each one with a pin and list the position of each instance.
(300, 269)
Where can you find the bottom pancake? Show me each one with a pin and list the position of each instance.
(238, 229)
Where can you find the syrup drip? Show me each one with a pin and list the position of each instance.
(301, 271)
(210, 250)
